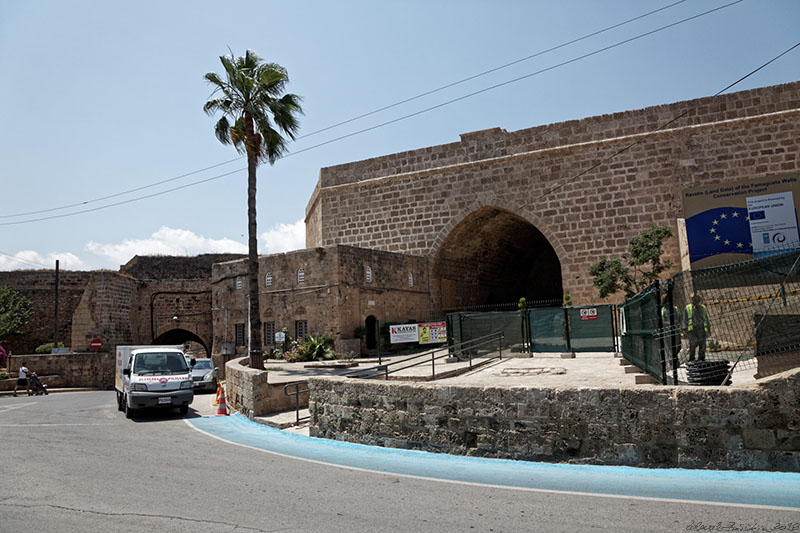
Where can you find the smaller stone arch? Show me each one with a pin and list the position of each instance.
(179, 336)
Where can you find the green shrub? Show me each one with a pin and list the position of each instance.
(4, 375)
(47, 348)
(319, 348)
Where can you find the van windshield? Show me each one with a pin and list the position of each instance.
(160, 363)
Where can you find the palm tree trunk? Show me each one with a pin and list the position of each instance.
(256, 352)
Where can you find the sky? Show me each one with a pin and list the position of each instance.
(101, 100)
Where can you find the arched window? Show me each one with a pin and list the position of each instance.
(269, 279)
(301, 276)
(368, 274)
(410, 280)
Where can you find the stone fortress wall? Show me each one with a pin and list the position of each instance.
(410, 202)
(742, 428)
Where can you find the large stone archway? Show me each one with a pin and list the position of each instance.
(180, 336)
(589, 185)
(494, 256)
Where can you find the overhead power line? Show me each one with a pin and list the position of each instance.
(663, 126)
(350, 120)
(388, 122)
(20, 260)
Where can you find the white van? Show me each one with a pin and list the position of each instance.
(152, 376)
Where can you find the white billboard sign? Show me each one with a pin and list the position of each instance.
(403, 333)
(773, 223)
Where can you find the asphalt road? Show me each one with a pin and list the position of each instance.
(72, 462)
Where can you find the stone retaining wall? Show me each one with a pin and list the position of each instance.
(753, 427)
(95, 369)
(249, 391)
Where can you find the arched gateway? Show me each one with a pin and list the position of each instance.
(494, 256)
(588, 185)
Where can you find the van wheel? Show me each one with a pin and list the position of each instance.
(184, 409)
(119, 402)
(129, 411)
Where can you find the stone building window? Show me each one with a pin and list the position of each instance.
(268, 279)
(410, 280)
(368, 274)
(269, 333)
(301, 276)
(301, 329)
(239, 334)
(238, 284)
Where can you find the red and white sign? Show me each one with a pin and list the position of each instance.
(96, 344)
(589, 314)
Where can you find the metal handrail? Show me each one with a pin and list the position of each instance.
(297, 392)
(430, 356)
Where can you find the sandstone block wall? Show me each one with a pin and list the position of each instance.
(174, 267)
(334, 298)
(409, 202)
(39, 287)
(104, 311)
(92, 369)
(754, 427)
(250, 392)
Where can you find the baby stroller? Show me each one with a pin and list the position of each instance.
(37, 387)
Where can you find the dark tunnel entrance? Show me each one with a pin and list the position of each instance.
(180, 336)
(496, 257)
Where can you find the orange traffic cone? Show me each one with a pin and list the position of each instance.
(219, 388)
(222, 409)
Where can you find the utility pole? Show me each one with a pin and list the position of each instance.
(55, 314)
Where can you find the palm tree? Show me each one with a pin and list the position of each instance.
(251, 94)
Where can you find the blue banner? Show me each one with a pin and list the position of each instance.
(723, 230)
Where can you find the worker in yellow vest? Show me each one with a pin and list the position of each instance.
(696, 327)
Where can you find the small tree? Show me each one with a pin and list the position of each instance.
(643, 264)
(15, 310)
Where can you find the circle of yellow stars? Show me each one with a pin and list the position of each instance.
(717, 237)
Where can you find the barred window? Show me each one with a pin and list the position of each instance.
(268, 279)
(238, 284)
(239, 334)
(410, 280)
(368, 274)
(301, 329)
(301, 276)
(269, 333)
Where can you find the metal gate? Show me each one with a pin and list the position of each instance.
(591, 328)
(548, 329)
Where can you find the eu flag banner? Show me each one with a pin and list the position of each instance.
(722, 230)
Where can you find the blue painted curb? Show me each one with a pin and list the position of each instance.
(779, 489)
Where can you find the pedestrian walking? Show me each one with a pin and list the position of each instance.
(696, 327)
(22, 379)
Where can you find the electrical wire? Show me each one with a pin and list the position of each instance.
(363, 115)
(490, 71)
(663, 126)
(20, 260)
(395, 120)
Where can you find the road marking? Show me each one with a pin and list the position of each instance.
(12, 407)
(337, 450)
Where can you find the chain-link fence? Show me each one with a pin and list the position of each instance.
(463, 327)
(704, 325)
(541, 329)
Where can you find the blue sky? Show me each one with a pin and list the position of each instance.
(104, 97)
